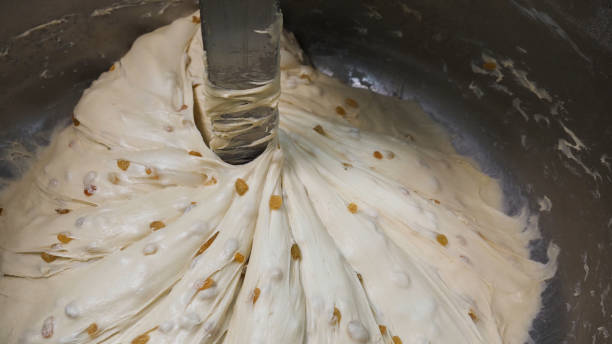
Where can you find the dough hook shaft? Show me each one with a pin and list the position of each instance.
(241, 43)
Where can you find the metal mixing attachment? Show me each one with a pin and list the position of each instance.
(241, 43)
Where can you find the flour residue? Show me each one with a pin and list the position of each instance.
(501, 88)
(523, 80)
(516, 103)
(571, 150)
(585, 265)
(104, 11)
(545, 204)
(53, 22)
(497, 66)
(407, 10)
(552, 25)
(539, 118)
(476, 89)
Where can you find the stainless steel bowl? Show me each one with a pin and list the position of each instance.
(556, 144)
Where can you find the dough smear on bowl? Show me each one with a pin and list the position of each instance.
(358, 224)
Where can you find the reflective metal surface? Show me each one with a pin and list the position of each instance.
(241, 39)
(544, 129)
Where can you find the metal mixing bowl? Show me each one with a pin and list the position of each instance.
(555, 144)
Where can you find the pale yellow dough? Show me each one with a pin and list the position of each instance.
(384, 234)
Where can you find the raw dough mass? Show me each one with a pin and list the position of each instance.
(359, 223)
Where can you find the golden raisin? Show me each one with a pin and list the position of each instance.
(346, 165)
(241, 186)
(195, 19)
(112, 67)
(194, 153)
(142, 339)
(337, 316)
(441, 239)
(113, 178)
(377, 155)
(340, 110)
(490, 66)
(351, 102)
(256, 293)
(92, 330)
(62, 211)
(305, 76)
(123, 164)
(238, 257)
(275, 202)
(319, 129)
(360, 278)
(75, 121)
(383, 329)
(47, 328)
(473, 315)
(47, 257)
(352, 207)
(204, 177)
(436, 201)
(183, 107)
(157, 225)
(64, 238)
(90, 190)
(295, 252)
(208, 283)
(396, 340)
(207, 244)
(148, 170)
(211, 181)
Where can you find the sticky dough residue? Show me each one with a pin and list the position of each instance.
(359, 224)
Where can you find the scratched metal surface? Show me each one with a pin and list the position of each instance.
(544, 128)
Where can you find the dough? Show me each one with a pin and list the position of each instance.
(359, 223)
